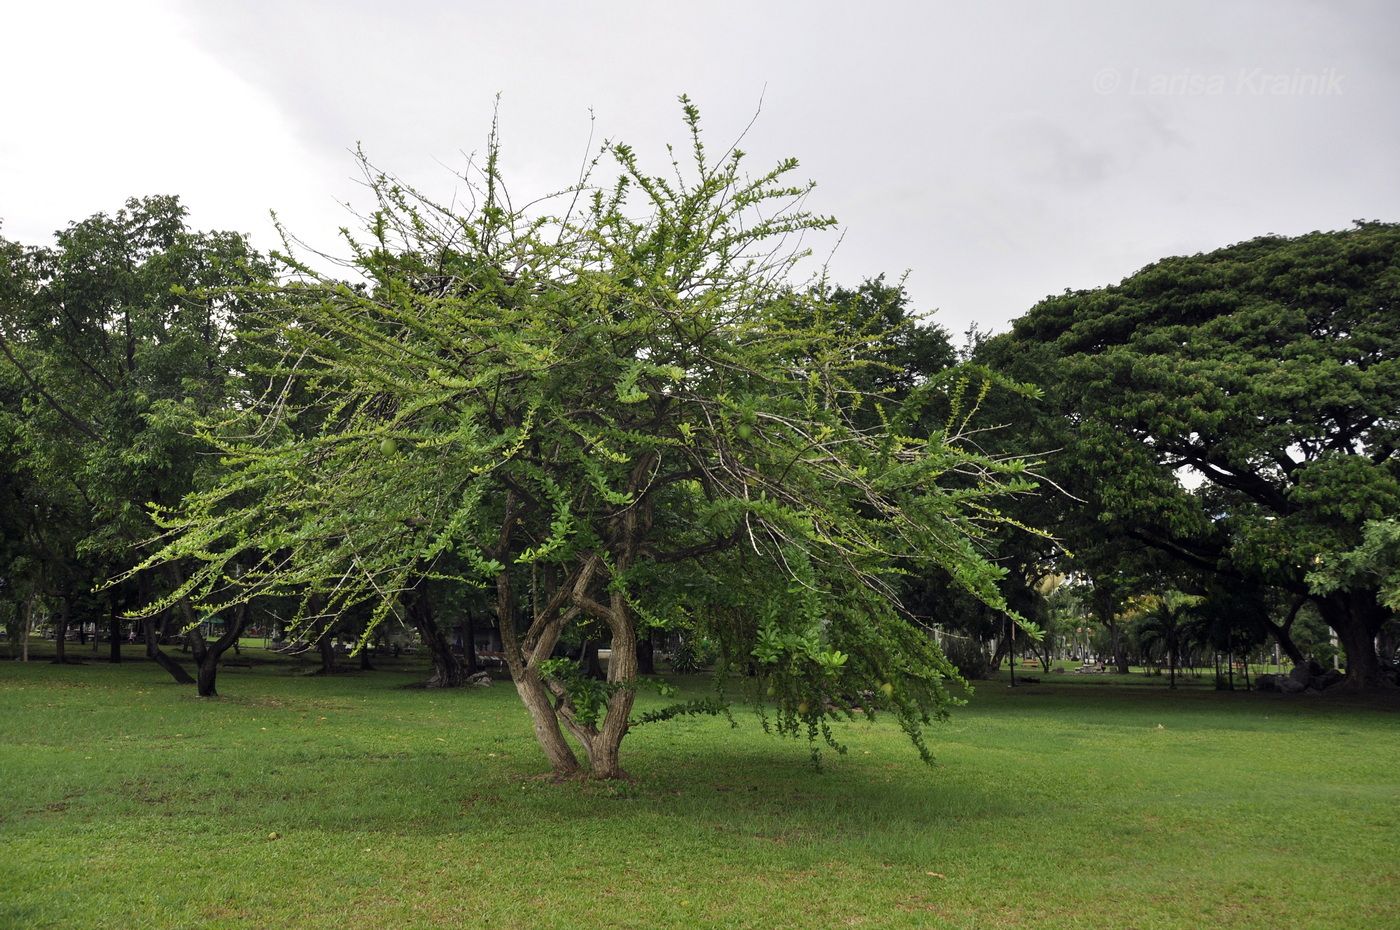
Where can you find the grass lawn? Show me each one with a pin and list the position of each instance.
(352, 802)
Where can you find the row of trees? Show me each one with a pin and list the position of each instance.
(623, 413)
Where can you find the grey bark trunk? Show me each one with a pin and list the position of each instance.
(530, 686)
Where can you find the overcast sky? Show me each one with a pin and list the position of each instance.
(999, 154)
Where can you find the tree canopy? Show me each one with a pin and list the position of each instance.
(627, 411)
(113, 341)
(1269, 373)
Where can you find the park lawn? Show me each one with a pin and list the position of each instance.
(353, 802)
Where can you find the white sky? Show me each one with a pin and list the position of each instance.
(1000, 153)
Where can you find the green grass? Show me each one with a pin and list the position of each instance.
(127, 802)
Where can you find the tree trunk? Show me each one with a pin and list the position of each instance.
(326, 646)
(60, 642)
(535, 696)
(206, 675)
(154, 653)
(209, 654)
(1283, 633)
(531, 688)
(646, 654)
(447, 668)
(999, 653)
(114, 627)
(469, 645)
(1357, 617)
(28, 625)
(588, 659)
(604, 756)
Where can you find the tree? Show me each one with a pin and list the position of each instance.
(1169, 622)
(112, 342)
(621, 413)
(1270, 371)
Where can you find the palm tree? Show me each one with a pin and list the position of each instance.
(1170, 624)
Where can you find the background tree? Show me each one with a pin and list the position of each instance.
(1270, 370)
(112, 342)
(1170, 623)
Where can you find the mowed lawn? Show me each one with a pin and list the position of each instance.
(354, 802)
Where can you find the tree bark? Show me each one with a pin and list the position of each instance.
(28, 625)
(447, 668)
(588, 659)
(114, 627)
(1104, 609)
(469, 645)
(157, 655)
(207, 654)
(325, 645)
(646, 654)
(60, 642)
(604, 754)
(530, 686)
(1356, 616)
(999, 653)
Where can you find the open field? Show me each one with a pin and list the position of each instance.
(127, 802)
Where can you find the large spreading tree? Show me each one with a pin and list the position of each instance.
(624, 412)
(1267, 374)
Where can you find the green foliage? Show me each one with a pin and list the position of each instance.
(1269, 371)
(626, 412)
(112, 342)
(1374, 563)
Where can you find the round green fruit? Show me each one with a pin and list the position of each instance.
(772, 691)
(887, 688)
(388, 445)
(802, 709)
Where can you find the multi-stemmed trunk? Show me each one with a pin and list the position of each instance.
(560, 597)
(548, 701)
(208, 654)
